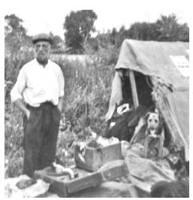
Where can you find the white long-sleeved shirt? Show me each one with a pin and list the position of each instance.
(37, 84)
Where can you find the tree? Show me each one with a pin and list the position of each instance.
(15, 34)
(17, 44)
(57, 41)
(167, 27)
(117, 36)
(113, 36)
(184, 32)
(78, 27)
(143, 31)
(123, 33)
(14, 25)
(170, 30)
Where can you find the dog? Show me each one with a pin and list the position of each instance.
(154, 135)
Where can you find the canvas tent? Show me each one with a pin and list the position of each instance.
(163, 63)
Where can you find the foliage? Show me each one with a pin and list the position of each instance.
(13, 140)
(57, 42)
(117, 37)
(78, 26)
(166, 28)
(103, 49)
(17, 46)
(169, 29)
(143, 31)
(14, 24)
(15, 34)
(86, 86)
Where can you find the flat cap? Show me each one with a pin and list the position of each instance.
(42, 37)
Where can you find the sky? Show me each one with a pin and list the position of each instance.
(49, 15)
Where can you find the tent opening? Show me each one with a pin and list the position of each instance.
(143, 86)
(144, 92)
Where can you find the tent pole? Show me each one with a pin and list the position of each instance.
(133, 89)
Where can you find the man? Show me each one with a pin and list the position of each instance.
(38, 93)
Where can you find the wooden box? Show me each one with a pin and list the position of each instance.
(94, 158)
(85, 179)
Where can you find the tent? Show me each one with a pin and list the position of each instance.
(166, 64)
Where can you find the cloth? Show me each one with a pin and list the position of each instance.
(125, 125)
(116, 96)
(40, 137)
(144, 173)
(37, 84)
(32, 191)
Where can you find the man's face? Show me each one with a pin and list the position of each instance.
(42, 51)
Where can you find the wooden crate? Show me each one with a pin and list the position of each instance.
(85, 179)
(94, 158)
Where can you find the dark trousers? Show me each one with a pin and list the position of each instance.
(40, 137)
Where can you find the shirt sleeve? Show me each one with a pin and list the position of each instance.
(17, 91)
(61, 82)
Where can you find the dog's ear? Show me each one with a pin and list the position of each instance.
(161, 118)
(147, 115)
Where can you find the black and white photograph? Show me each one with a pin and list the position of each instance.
(96, 99)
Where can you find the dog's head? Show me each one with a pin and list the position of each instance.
(153, 120)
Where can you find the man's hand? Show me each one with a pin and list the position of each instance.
(60, 108)
(60, 104)
(27, 113)
(19, 103)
